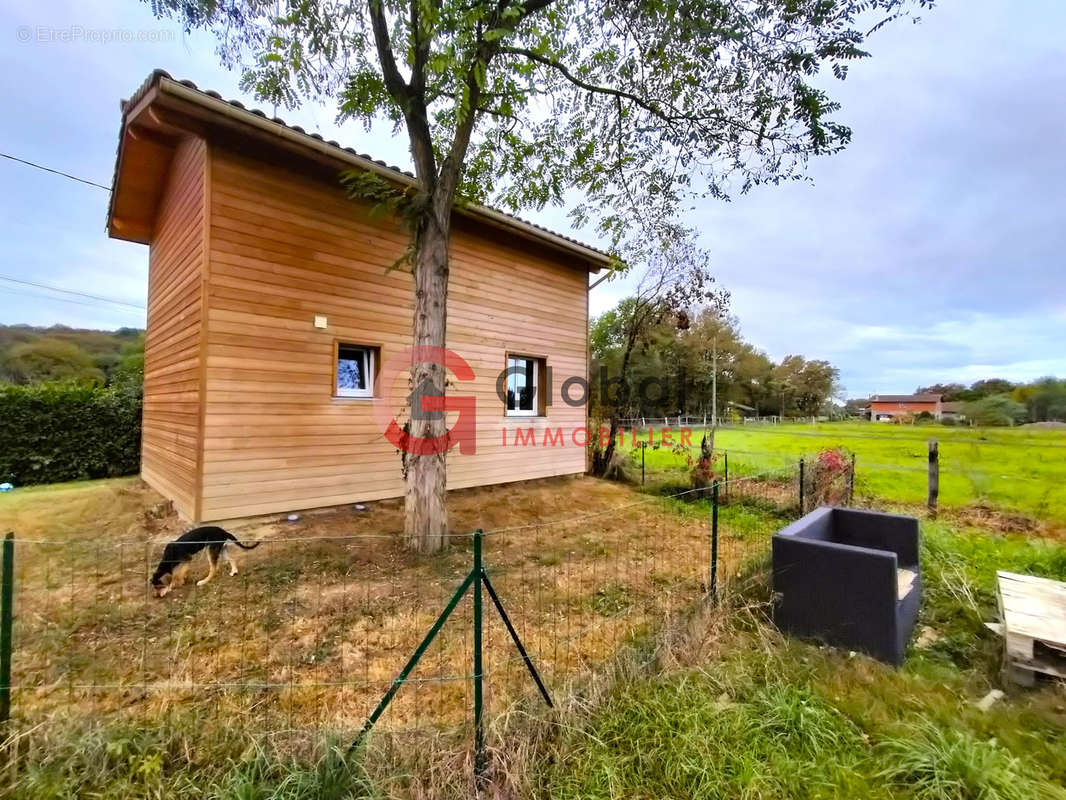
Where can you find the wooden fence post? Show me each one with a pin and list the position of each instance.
(7, 614)
(934, 476)
(714, 541)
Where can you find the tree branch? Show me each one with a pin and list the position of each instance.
(673, 117)
(482, 56)
(412, 106)
(393, 79)
(590, 87)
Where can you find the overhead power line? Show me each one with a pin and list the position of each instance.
(56, 172)
(86, 295)
(17, 292)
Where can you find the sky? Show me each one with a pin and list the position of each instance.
(931, 250)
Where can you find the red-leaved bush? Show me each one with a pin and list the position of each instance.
(701, 468)
(827, 479)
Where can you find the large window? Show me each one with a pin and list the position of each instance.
(523, 386)
(355, 370)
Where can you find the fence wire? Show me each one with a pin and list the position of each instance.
(302, 642)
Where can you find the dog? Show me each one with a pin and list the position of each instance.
(174, 566)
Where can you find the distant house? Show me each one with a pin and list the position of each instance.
(272, 309)
(886, 407)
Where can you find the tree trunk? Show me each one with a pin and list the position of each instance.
(425, 512)
(607, 456)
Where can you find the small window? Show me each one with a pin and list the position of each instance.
(523, 385)
(355, 371)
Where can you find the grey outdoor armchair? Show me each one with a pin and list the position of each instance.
(849, 578)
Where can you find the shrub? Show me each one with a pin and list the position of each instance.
(701, 470)
(68, 431)
(997, 409)
(827, 478)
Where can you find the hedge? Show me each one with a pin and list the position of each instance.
(68, 431)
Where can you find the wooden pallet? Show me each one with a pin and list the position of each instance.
(1033, 614)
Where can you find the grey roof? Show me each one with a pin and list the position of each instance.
(157, 76)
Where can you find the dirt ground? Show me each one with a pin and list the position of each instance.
(326, 611)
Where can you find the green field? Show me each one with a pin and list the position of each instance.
(1018, 469)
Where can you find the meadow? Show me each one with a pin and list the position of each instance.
(1020, 470)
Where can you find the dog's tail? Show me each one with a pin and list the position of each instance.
(241, 544)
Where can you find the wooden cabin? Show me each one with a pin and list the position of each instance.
(272, 306)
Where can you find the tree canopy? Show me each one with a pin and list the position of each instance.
(677, 356)
(30, 355)
(617, 108)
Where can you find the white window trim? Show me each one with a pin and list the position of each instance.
(369, 390)
(533, 412)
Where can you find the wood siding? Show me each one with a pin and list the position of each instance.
(170, 445)
(285, 246)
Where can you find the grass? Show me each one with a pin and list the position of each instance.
(659, 694)
(1021, 470)
(324, 614)
(694, 735)
(118, 761)
(737, 711)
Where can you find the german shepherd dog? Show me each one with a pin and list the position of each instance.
(174, 566)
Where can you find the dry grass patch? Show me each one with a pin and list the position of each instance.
(326, 611)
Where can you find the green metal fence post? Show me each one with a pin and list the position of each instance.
(479, 709)
(7, 615)
(801, 487)
(714, 541)
(495, 598)
(851, 482)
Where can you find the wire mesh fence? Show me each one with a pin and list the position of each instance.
(299, 646)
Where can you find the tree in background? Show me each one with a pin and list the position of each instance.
(805, 386)
(682, 355)
(990, 386)
(620, 107)
(949, 392)
(1044, 400)
(98, 355)
(677, 280)
(129, 366)
(49, 359)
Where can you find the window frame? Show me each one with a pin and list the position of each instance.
(371, 371)
(540, 364)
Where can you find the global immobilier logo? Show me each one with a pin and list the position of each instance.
(427, 402)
